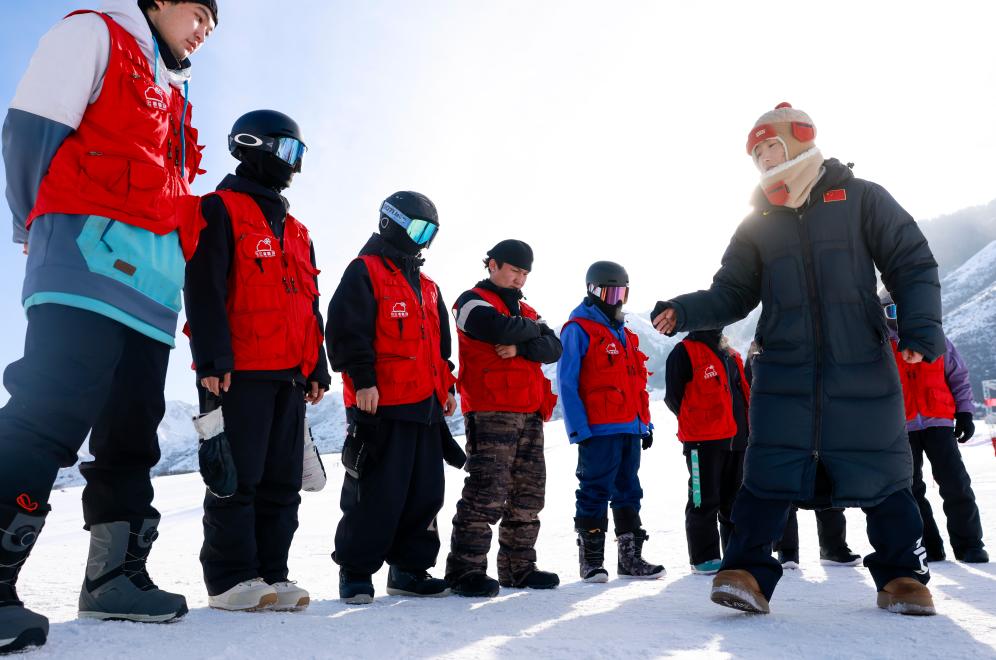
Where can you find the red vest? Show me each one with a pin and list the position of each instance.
(613, 379)
(408, 364)
(490, 383)
(271, 292)
(123, 161)
(707, 408)
(925, 388)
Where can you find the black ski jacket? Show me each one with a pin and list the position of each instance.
(534, 340)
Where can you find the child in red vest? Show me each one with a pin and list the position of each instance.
(256, 339)
(603, 386)
(505, 400)
(708, 391)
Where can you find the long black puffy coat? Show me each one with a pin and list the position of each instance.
(825, 386)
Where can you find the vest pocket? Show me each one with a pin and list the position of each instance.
(604, 403)
(151, 264)
(509, 387)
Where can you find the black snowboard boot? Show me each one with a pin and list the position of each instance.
(973, 556)
(355, 588)
(415, 583)
(474, 585)
(19, 626)
(591, 551)
(841, 556)
(117, 585)
(534, 579)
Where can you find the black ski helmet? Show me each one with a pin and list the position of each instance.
(606, 273)
(251, 130)
(414, 206)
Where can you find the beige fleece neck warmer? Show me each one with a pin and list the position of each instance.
(790, 183)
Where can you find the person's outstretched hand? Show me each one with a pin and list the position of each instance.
(664, 318)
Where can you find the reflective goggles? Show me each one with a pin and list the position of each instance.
(890, 311)
(610, 295)
(288, 149)
(420, 231)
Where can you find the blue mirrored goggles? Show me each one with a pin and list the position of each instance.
(890, 311)
(288, 149)
(420, 231)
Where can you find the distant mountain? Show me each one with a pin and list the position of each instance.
(968, 296)
(956, 237)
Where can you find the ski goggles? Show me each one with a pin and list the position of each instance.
(610, 295)
(890, 311)
(288, 149)
(420, 231)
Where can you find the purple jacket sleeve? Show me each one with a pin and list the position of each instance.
(956, 373)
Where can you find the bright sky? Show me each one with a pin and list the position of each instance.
(591, 130)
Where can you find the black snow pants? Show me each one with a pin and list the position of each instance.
(81, 373)
(249, 534)
(389, 514)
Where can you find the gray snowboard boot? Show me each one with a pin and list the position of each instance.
(19, 626)
(631, 562)
(591, 556)
(117, 586)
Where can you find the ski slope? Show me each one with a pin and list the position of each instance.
(817, 612)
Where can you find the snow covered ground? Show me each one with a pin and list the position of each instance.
(816, 612)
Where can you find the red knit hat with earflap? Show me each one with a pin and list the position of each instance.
(792, 127)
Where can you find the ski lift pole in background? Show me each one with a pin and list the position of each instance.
(989, 399)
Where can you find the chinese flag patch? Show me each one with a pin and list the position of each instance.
(839, 195)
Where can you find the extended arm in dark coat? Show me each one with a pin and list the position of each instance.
(677, 374)
(735, 290)
(909, 271)
(205, 292)
(352, 320)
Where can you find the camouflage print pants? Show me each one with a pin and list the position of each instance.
(507, 482)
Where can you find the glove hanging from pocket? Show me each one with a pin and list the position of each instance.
(313, 477)
(361, 448)
(214, 454)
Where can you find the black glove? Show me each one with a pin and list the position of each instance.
(214, 454)
(648, 440)
(453, 454)
(362, 446)
(964, 427)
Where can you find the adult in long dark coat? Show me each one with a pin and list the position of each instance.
(826, 411)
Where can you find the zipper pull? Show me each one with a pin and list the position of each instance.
(286, 288)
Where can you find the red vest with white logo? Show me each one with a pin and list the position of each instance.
(124, 159)
(707, 407)
(490, 383)
(271, 292)
(613, 379)
(408, 363)
(925, 388)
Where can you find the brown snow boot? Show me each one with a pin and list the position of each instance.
(904, 595)
(738, 589)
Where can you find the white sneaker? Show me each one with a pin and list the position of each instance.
(290, 597)
(249, 596)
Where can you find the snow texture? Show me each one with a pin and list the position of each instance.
(816, 612)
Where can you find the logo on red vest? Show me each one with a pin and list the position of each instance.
(155, 97)
(24, 501)
(264, 248)
(710, 372)
(612, 349)
(399, 310)
(838, 195)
